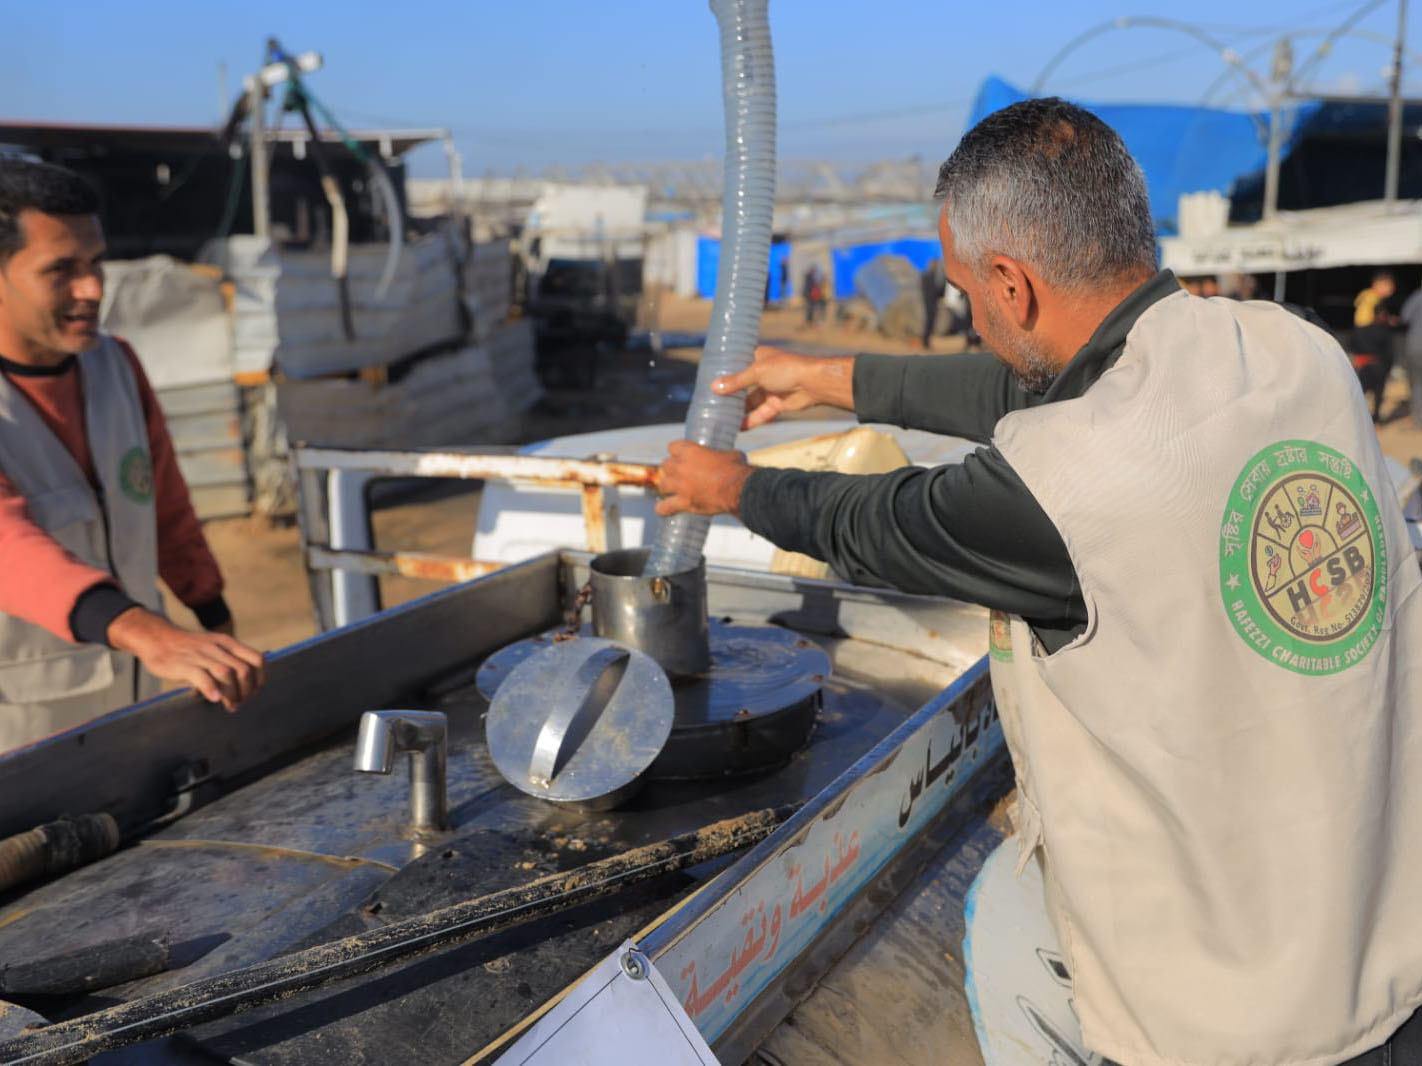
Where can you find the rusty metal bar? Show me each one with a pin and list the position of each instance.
(400, 564)
(595, 518)
(310, 465)
(479, 466)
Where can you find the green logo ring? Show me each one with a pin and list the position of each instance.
(1303, 558)
(136, 475)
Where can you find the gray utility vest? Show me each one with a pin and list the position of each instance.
(48, 684)
(1222, 776)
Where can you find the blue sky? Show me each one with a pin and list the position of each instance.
(534, 83)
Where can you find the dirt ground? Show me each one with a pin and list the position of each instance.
(267, 588)
(786, 325)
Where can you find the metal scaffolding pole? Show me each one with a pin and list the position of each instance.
(261, 211)
(1394, 108)
(1280, 82)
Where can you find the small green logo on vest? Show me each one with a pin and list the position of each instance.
(1000, 636)
(136, 475)
(1303, 561)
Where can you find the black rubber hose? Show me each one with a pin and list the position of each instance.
(56, 847)
(102, 965)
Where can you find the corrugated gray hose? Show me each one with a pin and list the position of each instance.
(747, 209)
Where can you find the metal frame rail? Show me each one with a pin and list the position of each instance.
(333, 512)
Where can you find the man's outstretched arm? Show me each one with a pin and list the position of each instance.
(959, 395)
(963, 395)
(971, 531)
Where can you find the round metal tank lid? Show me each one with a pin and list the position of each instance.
(580, 722)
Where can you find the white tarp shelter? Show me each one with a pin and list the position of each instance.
(1370, 233)
(588, 221)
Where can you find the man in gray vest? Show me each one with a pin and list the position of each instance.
(1212, 691)
(92, 506)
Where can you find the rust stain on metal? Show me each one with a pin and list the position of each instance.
(592, 476)
(269, 850)
(595, 518)
(592, 472)
(403, 564)
(441, 567)
(531, 468)
(15, 916)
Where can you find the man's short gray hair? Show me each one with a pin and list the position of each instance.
(1049, 184)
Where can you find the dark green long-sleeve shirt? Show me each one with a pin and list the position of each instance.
(971, 530)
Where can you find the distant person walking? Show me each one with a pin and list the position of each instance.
(1412, 350)
(1374, 347)
(934, 286)
(814, 292)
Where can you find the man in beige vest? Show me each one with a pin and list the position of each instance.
(92, 506)
(1208, 650)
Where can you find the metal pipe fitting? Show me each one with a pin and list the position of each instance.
(425, 736)
(663, 615)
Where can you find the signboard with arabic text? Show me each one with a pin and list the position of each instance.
(822, 858)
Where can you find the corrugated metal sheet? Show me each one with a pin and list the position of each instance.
(488, 286)
(473, 395)
(511, 356)
(205, 423)
(199, 399)
(221, 501)
(287, 317)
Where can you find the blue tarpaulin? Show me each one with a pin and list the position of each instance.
(1181, 148)
(917, 250)
(708, 261)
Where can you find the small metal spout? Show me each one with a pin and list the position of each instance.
(424, 735)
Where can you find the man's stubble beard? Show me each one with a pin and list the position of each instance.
(1030, 365)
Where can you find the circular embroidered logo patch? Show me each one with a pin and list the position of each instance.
(1000, 636)
(1303, 562)
(136, 475)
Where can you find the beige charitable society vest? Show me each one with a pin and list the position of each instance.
(48, 684)
(1223, 773)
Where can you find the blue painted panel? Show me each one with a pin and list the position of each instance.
(708, 261)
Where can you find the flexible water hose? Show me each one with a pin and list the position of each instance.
(747, 207)
(379, 177)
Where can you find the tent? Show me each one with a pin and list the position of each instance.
(919, 251)
(708, 263)
(1181, 148)
(1333, 151)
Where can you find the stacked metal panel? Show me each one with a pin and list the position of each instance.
(488, 286)
(206, 426)
(511, 354)
(452, 398)
(420, 369)
(287, 308)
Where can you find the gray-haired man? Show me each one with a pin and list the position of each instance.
(1215, 680)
